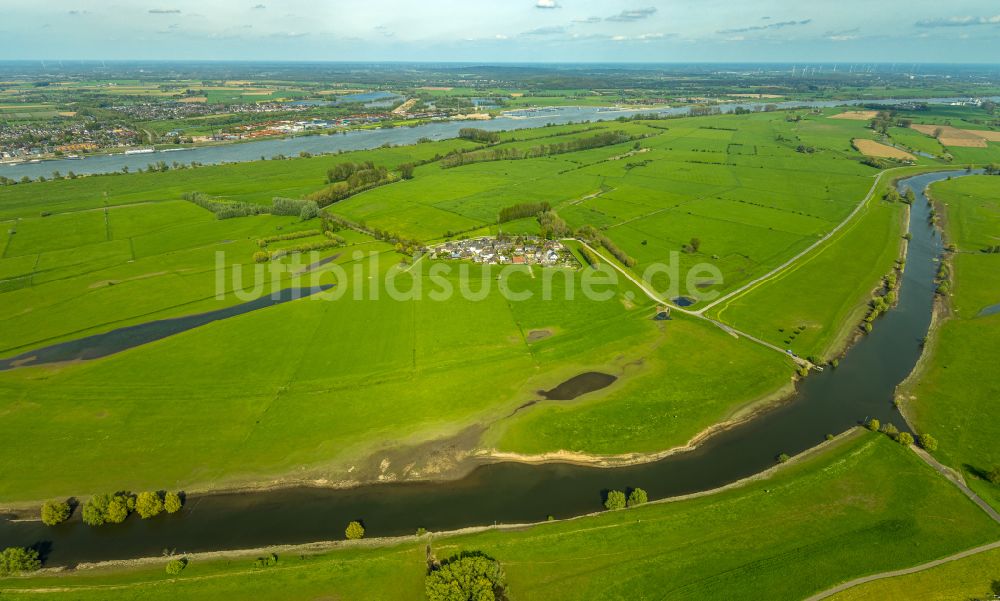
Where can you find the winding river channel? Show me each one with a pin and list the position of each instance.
(825, 403)
(363, 139)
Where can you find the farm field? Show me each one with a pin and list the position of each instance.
(789, 309)
(956, 383)
(877, 149)
(861, 505)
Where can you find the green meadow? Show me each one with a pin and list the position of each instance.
(862, 505)
(88, 255)
(967, 578)
(956, 385)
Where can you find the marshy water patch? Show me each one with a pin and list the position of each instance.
(579, 385)
(990, 310)
(115, 341)
(536, 335)
(684, 301)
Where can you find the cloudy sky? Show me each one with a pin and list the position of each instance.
(503, 30)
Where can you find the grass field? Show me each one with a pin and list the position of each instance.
(848, 267)
(862, 506)
(957, 385)
(120, 250)
(976, 577)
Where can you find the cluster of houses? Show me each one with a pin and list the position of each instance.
(516, 250)
(160, 111)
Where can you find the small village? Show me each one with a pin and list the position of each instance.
(507, 250)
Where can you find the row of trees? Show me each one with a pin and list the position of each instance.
(512, 153)
(893, 195)
(617, 499)
(263, 242)
(926, 441)
(347, 179)
(302, 208)
(476, 134)
(884, 300)
(18, 560)
(224, 209)
(590, 256)
(522, 210)
(114, 508)
(355, 173)
(332, 241)
(593, 235)
(403, 244)
(552, 226)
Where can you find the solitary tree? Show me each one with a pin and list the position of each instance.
(471, 576)
(15, 560)
(615, 500)
(176, 566)
(354, 531)
(406, 169)
(55, 512)
(637, 497)
(905, 439)
(874, 425)
(928, 442)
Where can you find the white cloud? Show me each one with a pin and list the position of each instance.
(634, 15)
(547, 4)
(965, 21)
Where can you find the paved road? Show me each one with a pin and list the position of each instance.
(955, 479)
(729, 329)
(926, 566)
(813, 246)
(726, 328)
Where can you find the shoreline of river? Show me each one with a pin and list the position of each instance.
(322, 546)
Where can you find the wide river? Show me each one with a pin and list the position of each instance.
(373, 138)
(825, 403)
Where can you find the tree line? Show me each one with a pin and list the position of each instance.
(593, 235)
(348, 178)
(476, 134)
(461, 157)
(522, 210)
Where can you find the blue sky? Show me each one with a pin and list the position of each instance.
(503, 30)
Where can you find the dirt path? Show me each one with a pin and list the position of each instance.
(920, 568)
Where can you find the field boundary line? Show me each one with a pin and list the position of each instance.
(722, 326)
(904, 571)
(865, 202)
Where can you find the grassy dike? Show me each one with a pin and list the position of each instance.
(956, 386)
(849, 267)
(859, 505)
(968, 578)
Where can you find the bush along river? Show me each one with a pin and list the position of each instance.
(825, 403)
(365, 139)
